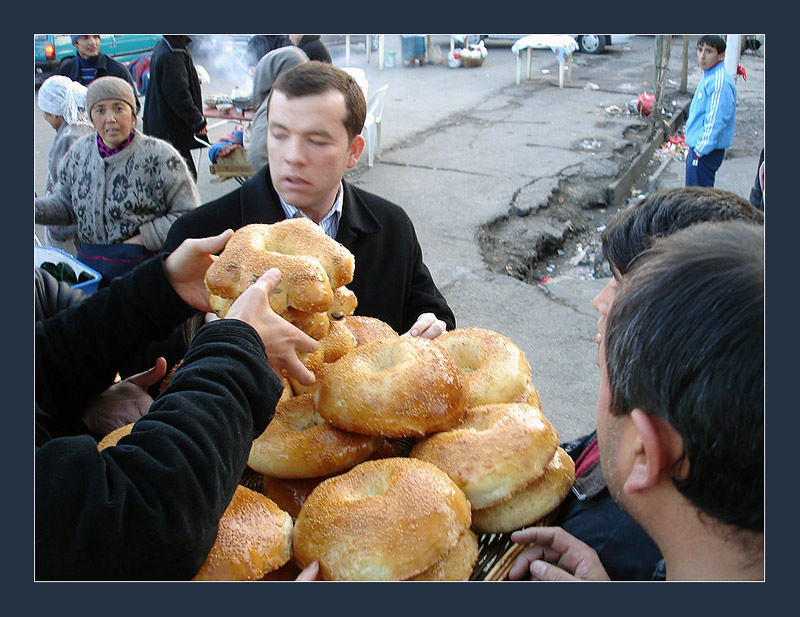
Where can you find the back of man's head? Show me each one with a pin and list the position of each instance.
(662, 213)
(685, 341)
(712, 40)
(316, 77)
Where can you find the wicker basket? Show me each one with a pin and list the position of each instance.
(472, 62)
(496, 551)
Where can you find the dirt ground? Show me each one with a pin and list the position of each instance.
(562, 236)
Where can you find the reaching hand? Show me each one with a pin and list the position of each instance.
(186, 268)
(555, 555)
(281, 339)
(124, 402)
(309, 573)
(427, 326)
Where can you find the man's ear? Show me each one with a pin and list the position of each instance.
(356, 148)
(656, 447)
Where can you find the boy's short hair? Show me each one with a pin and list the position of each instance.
(634, 229)
(712, 40)
(685, 341)
(317, 77)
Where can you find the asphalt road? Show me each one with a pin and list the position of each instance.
(463, 148)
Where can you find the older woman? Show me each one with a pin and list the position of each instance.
(268, 68)
(124, 189)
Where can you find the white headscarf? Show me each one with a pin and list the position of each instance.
(61, 96)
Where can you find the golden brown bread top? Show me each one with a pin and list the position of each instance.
(386, 519)
(393, 387)
(457, 564)
(298, 443)
(254, 537)
(495, 367)
(344, 303)
(312, 264)
(494, 451)
(532, 502)
(367, 329)
(114, 436)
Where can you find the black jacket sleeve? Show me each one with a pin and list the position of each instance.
(149, 508)
(79, 350)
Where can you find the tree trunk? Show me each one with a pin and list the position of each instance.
(663, 49)
(685, 65)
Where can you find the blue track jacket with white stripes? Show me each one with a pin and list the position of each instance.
(712, 114)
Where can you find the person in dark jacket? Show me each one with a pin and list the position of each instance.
(259, 45)
(149, 508)
(90, 63)
(315, 115)
(313, 46)
(173, 106)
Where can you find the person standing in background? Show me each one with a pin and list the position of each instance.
(63, 103)
(267, 71)
(712, 114)
(90, 63)
(313, 46)
(173, 107)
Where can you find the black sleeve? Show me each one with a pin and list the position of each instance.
(424, 295)
(205, 221)
(148, 508)
(79, 350)
(53, 295)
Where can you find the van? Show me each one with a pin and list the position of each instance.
(50, 50)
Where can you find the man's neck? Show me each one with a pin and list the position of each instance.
(712, 552)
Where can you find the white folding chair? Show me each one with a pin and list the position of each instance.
(372, 124)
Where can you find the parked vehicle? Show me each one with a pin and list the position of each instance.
(50, 50)
(587, 43)
(596, 43)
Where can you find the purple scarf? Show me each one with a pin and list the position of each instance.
(105, 151)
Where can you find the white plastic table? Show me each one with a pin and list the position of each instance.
(562, 45)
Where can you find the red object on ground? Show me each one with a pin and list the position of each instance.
(646, 102)
(741, 71)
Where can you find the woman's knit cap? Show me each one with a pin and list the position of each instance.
(110, 88)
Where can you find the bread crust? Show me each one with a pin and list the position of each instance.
(298, 443)
(393, 387)
(496, 369)
(312, 264)
(532, 502)
(254, 537)
(386, 519)
(494, 451)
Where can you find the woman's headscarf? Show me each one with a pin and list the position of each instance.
(270, 66)
(61, 96)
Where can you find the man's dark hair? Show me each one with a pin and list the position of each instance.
(712, 40)
(685, 341)
(318, 77)
(662, 213)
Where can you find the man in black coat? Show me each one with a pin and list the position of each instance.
(315, 116)
(173, 107)
(90, 63)
(149, 508)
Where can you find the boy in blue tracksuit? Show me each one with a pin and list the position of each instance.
(712, 114)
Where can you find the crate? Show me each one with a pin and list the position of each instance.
(42, 254)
